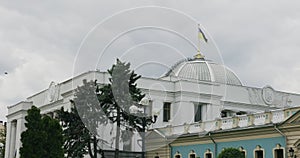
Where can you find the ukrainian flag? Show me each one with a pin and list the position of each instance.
(201, 34)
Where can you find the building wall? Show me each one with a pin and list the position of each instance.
(268, 144)
(181, 93)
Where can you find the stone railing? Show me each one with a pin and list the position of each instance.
(255, 119)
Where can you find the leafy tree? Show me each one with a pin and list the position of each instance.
(118, 96)
(2, 141)
(81, 123)
(43, 137)
(230, 153)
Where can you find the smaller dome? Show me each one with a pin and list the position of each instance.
(203, 70)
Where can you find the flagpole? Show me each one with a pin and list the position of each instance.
(199, 55)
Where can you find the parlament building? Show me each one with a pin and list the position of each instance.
(202, 108)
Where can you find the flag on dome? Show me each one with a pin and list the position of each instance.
(201, 34)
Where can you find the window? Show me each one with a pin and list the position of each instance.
(278, 151)
(243, 151)
(177, 155)
(167, 112)
(259, 152)
(198, 113)
(208, 154)
(156, 156)
(192, 154)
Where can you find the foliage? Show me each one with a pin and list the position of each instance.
(80, 124)
(118, 96)
(42, 138)
(2, 141)
(230, 153)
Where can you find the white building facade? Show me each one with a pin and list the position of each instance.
(194, 90)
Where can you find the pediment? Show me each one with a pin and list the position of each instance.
(293, 119)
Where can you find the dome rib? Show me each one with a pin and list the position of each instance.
(204, 70)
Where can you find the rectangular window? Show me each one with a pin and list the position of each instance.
(198, 113)
(192, 155)
(167, 112)
(259, 154)
(278, 153)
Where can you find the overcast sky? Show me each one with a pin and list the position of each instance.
(44, 41)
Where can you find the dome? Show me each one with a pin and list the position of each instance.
(202, 70)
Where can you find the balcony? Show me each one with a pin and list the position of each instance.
(255, 119)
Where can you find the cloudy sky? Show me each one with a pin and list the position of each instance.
(44, 41)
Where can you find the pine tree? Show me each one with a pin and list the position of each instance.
(118, 96)
(2, 141)
(42, 138)
(81, 123)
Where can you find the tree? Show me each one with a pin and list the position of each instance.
(42, 138)
(118, 96)
(230, 153)
(2, 141)
(81, 123)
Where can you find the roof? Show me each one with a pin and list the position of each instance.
(203, 70)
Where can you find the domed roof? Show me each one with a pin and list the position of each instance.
(203, 70)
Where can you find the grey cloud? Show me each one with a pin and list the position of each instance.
(257, 39)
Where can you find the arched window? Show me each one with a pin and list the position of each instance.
(192, 154)
(259, 152)
(278, 151)
(243, 151)
(177, 155)
(208, 154)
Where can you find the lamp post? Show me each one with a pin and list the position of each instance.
(291, 152)
(140, 111)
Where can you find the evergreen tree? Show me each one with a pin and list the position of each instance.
(230, 153)
(42, 138)
(81, 123)
(118, 96)
(2, 141)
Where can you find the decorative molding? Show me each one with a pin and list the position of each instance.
(254, 96)
(268, 95)
(53, 92)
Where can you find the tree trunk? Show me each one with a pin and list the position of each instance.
(117, 134)
(90, 149)
(95, 147)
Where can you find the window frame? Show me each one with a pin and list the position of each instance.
(167, 111)
(198, 107)
(192, 152)
(259, 148)
(177, 154)
(243, 150)
(278, 146)
(208, 151)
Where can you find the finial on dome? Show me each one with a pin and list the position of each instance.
(199, 55)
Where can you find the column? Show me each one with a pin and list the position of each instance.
(19, 130)
(12, 139)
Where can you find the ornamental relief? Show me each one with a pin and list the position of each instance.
(269, 96)
(53, 92)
